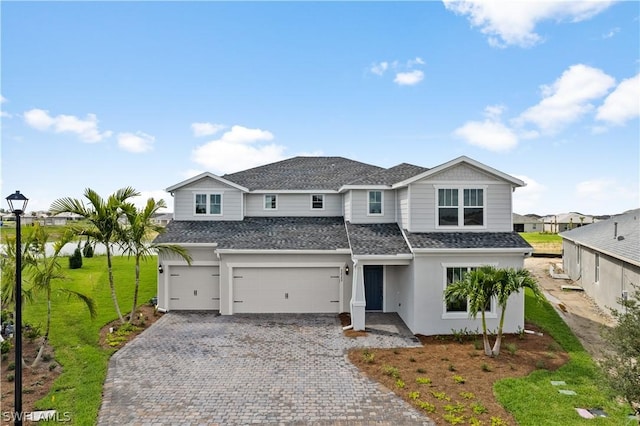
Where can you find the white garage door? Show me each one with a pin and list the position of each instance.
(292, 290)
(194, 288)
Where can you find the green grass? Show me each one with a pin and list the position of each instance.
(55, 231)
(534, 401)
(74, 336)
(541, 238)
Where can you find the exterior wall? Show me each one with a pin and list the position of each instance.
(199, 256)
(229, 261)
(616, 276)
(428, 301)
(360, 207)
(402, 206)
(403, 286)
(293, 205)
(423, 200)
(347, 205)
(184, 200)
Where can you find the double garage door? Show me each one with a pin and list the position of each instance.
(194, 288)
(289, 290)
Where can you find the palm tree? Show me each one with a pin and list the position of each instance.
(508, 282)
(134, 239)
(103, 215)
(44, 270)
(8, 267)
(476, 287)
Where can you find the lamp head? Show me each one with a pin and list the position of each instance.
(17, 202)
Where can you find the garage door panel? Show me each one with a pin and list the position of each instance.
(288, 290)
(194, 288)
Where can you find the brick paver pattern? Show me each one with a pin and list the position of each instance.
(198, 368)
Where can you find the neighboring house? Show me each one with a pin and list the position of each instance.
(557, 223)
(162, 219)
(526, 223)
(604, 258)
(329, 234)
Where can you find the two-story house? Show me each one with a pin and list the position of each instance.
(329, 234)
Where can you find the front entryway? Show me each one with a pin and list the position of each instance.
(373, 285)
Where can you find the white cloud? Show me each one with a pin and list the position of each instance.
(4, 113)
(513, 22)
(623, 103)
(157, 194)
(568, 98)
(379, 68)
(489, 134)
(206, 129)
(3, 99)
(409, 78)
(593, 194)
(136, 142)
(413, 62)
(87, 129)
(238, 149)
(528, 199)
(611, 33)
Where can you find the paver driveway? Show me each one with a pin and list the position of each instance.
(197, 368)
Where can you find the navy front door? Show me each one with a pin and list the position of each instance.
(373, 287)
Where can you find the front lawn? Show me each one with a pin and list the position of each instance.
(543, 242)
(75, 337)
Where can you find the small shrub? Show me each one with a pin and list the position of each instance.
(541, 365)
(497, 421)
(474, 422)
(477, 345)
(5, 346)
(478, 408)
(456, 408)
(32, 332)
(400, 384)
(554, 347)
(467, 395)
(52, 366)
(453, 419)
(474, 354)
(11, 366)
(368, 357)
(423, 380)
(440, 396)
(5, 357)
(10, 377)
(87, 250)
(458, 379)
(452, 367)
(75, 260)
(421, 371)
(391, 371)
(414, 395)
(486, 367)
(459, 335)
(520, 332)
(47, 357)
(550, 355)
(426, 406)
(511, 348)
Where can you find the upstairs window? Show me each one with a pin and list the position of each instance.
(208, 204)
(456, 211)
(317, 202)
(375, 202)
(270, 202)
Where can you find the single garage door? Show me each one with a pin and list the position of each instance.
(194, 288)
(291, 290)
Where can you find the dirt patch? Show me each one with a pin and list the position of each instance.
(457, 378)
(345, 320)
(576, 308)
(37, 382)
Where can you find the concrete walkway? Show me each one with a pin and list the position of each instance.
(196, 368)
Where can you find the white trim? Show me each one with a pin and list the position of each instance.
(206, 245)
(168, 264)
(461, 188)
(294, 191)
(345, 188)
(472, 250)
(207, 205)
(463, 159)
(232, 265)
(400, 259)
(282, 251)
(368, 193)
(179, 185)
(491, 314)
(311, 202)
(264, 202)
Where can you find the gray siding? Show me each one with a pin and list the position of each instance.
(184, 200)
(347, 206)
(360, 207)
(402, 206)
(293, 205)
(463, 173)
(423, 206)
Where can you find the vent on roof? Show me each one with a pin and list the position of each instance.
(620, 238)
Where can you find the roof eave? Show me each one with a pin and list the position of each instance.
(510, 250)
(203, 175)
(283, 251)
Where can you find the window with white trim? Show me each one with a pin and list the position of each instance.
(317, 202)
(465, 211)
(208, 204)
(375, 202)
(597, 270)
(454, 274)
(270, 202)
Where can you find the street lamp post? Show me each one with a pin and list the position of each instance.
(17, 204)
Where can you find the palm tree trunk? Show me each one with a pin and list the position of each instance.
(45, 339)
(496, 346)
(112, 286)
(485, 337)
(135, 292)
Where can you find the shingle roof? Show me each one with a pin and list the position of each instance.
(261, 233)
(391, 175)
(376, 239)
(466, 240)
(303, 173)
(601, 236)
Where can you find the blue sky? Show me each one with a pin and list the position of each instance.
(146, 94)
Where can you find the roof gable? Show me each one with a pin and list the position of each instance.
(390, 176)
(202, 176)
(481, 168)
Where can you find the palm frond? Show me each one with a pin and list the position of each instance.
(88, 301)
